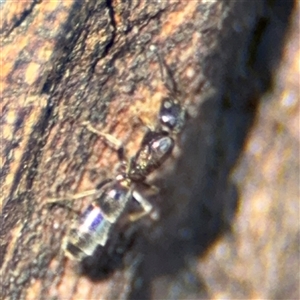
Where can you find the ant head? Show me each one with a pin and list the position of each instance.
(172, 115)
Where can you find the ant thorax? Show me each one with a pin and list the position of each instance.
(155, 148)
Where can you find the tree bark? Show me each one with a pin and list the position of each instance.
(65, 63)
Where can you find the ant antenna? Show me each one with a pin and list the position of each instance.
(165, 72)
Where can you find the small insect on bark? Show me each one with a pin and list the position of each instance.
(111, 201)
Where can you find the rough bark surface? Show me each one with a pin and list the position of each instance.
(228, 200)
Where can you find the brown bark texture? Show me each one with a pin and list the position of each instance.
(229, 195)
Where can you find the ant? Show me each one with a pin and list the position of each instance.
(113, 196)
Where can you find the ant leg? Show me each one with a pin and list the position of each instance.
(73, 197)
(152, 190)
(79, 195)
(147, 208)
(111, 141)
(66, 201)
